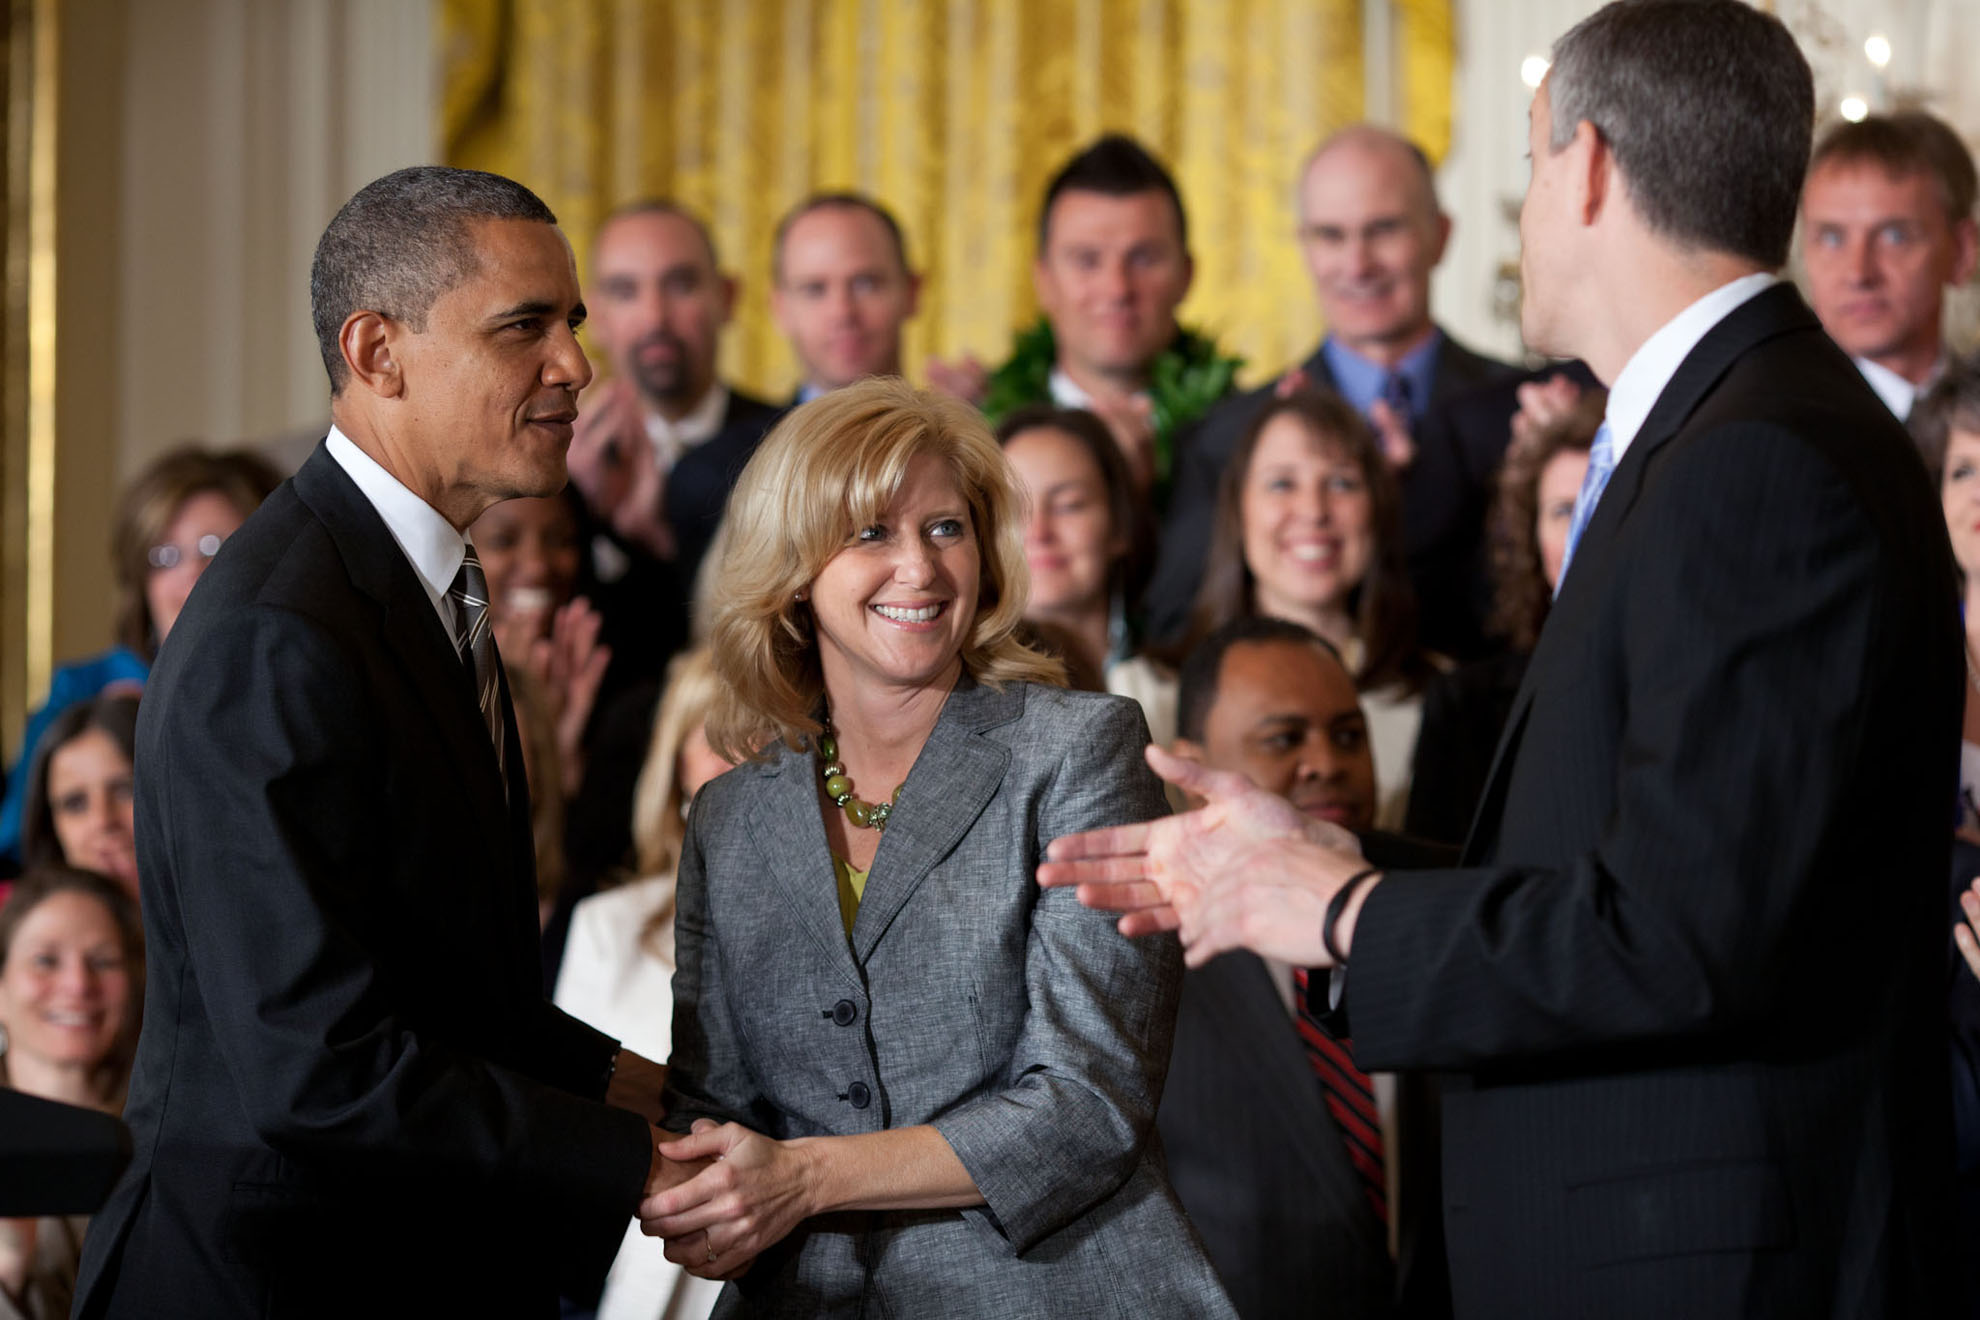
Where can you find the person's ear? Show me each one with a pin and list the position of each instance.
(1596, 179)
(1044, 285)
(1966, 251)
(1441, 236)
(370, 343)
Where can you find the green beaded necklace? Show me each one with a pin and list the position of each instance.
(839, 787)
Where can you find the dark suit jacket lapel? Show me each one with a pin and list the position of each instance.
(953, 779)
(790, 836)
(1458, 371)
(412, 628)
(1272, 1066)
(1775, 311)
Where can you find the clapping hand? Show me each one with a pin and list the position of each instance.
(1246, 870)
(569, 665)
(966, 378)
(750, 1192)
(1543, 405)
(1966, 932)
(612, 464)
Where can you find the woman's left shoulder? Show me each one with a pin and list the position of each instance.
(1060, 715)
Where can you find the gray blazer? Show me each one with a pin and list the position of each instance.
(1025, 1028)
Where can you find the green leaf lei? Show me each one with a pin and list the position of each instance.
(1183, 381)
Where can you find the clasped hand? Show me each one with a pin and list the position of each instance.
(1246, 870)
(723, 1194)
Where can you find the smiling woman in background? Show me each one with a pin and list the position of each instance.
(171, 521)
(79, 803)
(71, 973)
(1309, 529)
(876, 1009)
(1087, 543)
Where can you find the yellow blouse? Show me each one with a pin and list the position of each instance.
(852, 887)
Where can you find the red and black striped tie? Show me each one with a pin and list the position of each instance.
(1350, 1098)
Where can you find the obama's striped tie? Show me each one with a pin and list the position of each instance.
(475, 640)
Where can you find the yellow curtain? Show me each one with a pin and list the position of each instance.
(954, 113)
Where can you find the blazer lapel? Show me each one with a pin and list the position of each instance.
(953, 779)
(412, 629)
(790, 833)
(1774, 311)
(1266, 1044)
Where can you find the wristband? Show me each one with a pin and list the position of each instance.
(1336, 906)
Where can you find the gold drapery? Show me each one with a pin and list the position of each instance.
(954, 113)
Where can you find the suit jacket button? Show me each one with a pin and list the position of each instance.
(858, 1095)
(845, 1012)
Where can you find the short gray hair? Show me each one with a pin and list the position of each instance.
(401, 243)
(1709, 109)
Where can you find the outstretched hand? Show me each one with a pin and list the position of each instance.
(752, 1192)
(1246, 870)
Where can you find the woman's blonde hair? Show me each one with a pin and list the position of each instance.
(828, 469)
(659, 817)
(657, 823)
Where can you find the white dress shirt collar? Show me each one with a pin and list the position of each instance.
(1643, 378)
(1066, 392)
(428, 540)
(1897, 393)
(672, 439)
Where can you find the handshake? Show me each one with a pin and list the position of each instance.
(720, 1195)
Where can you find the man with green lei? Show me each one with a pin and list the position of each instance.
(1113, 264)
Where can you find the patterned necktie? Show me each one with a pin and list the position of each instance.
(474, 638)
(1400, 398)
(1601, 466)
(1350, 1098)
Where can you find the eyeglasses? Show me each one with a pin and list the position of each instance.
(171, 556)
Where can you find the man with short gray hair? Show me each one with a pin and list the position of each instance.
(1689, 975)
(1886, 228)
(1372, 233)
(350, 1096)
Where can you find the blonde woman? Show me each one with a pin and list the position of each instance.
(619, 959)
(916, 1084)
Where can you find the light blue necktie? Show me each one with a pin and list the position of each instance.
(1601, 466)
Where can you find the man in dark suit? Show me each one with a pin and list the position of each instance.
(350, 1096)
(660, 299)
(1886, 228)
(1293, 1164)
(1692, 974)
(1372, 233)
(842, 291)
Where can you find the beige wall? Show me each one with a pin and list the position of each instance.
(202, 146)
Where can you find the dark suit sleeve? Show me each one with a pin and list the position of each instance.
(271, 773)
(1749, 619)
(1087, 1073)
